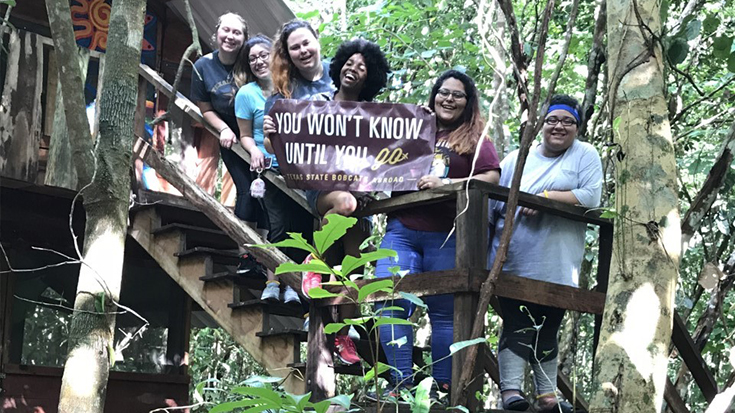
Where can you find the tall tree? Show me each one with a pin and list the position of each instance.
(106, 198)
(632, 355)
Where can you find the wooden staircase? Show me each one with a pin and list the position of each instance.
(203, 261)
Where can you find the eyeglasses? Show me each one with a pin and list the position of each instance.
(455, 93)
(263, 56)
(553, 121)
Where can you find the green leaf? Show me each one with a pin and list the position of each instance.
(731, 62)
(721, 46)
(357, 321)
(413, 298)
(710, 23)
(336, 228)
(616, 123)
(342, 400)
(460, 408)
(427, 54)
(262, 393)
(259, 380)
(350, 263)
(332, 328)
(455, 347)
(315, 265)
(385, 285)
(319, 292)
(392, 321)
(296, 241)
(230, 406)
(422, 402)
(609, 213)
(677, 50)
(322, 406)
(693, 29)
(391, 308)
(664, 11)
(380, 367)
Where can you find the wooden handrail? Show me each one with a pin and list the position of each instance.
(497, 192)
(191, 110)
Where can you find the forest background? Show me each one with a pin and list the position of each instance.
(422, 38)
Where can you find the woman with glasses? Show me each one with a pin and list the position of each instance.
(421, 235)
(249, 105)
(544, 247)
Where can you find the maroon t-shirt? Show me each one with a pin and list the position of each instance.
(440, 217)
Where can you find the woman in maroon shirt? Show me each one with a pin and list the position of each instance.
(418, 234)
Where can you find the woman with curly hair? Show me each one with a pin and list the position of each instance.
(421, 235)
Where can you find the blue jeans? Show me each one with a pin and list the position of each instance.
(418, 251)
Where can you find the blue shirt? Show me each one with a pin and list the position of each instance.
(249, 105)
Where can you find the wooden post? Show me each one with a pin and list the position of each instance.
(320, 380)
(472, 243)
(604, 255)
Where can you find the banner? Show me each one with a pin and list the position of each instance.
(352, 146)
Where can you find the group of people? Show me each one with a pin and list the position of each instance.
(238, 83)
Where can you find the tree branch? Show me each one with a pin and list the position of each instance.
(594, 64)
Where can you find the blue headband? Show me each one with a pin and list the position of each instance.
(567, 108)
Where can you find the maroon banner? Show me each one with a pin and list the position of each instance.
(352, 146)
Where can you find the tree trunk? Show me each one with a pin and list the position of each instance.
(106, 204)
(631, 361)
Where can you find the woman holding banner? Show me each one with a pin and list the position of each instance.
(421, 235)
(359, 72)
(213, 90)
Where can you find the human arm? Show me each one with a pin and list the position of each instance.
(431, 181)
(226, 135)
(257, 158)
(269, 127)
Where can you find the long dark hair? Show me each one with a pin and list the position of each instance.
(282, 68)
(464, 137)
(245, 74)
(377, 66)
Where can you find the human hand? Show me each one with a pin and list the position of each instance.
(257, 159)
(227, 138)
(269, 125)
(528, 212)
(429, 181)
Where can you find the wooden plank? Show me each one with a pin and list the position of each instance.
(673, 400)
(423, 284)
(414, 199)
(471, 254)
(553, 295)
(190, 109)
(693, 359)
(21, 114)
(604, 257)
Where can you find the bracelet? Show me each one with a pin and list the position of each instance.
(226, 127)
(546, 193)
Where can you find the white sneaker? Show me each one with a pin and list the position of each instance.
(290, 296)
(353, 334)
(271, 292)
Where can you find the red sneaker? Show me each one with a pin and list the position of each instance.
(346, 350)
(309, 279)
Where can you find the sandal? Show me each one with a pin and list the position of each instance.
(561, 407)
(516, 404)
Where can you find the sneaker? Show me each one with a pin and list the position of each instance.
(271, 291)
(309, 279)
(248, 266)
(353, 334)
(306, 322)
(439, 393)
(346, 350)
(290, 296)
(387, 396)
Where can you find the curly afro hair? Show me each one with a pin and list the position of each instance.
(377, 66)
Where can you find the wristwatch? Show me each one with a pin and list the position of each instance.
(446, 181)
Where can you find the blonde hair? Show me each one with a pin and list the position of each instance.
(283, 70)
(238, 71)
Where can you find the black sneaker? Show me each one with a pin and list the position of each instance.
(249, 267)
(440, 393)
(388, 396)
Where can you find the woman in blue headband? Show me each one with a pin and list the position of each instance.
(544, 247)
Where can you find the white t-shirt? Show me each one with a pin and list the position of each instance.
(548, 247)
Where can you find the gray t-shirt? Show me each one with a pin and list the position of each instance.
(304, 89)
(547, 247)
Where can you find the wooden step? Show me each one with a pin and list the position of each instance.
(285, 332)
(353, 370)
(253, 283)
(221, 256)
(276, 308)
(197, 236)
